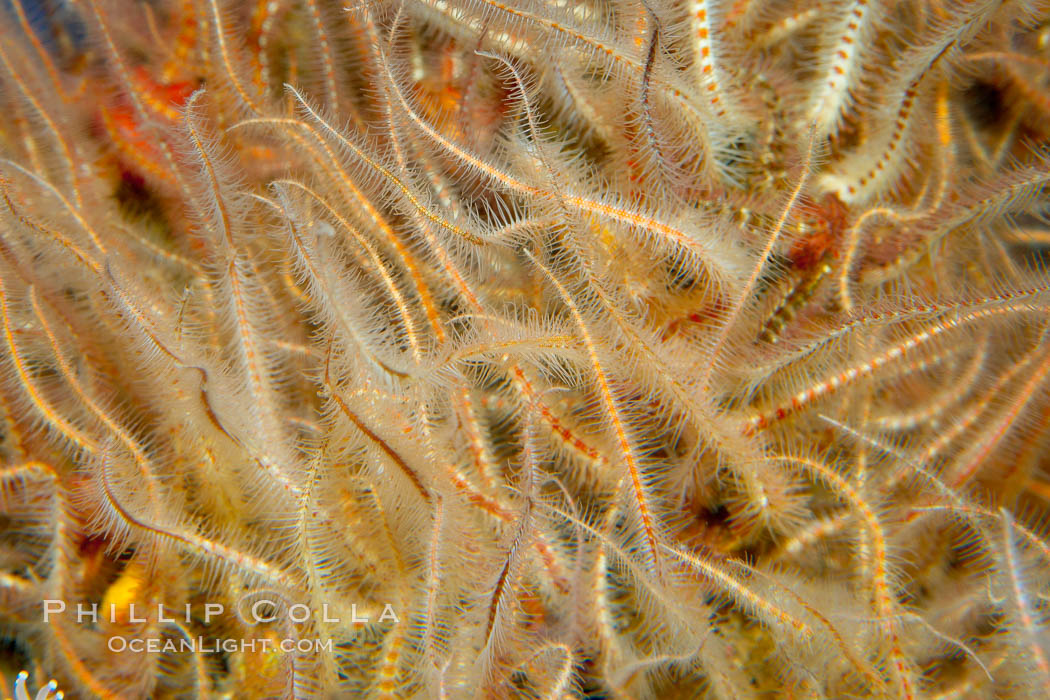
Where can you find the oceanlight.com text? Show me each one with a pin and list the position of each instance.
(119, 644)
